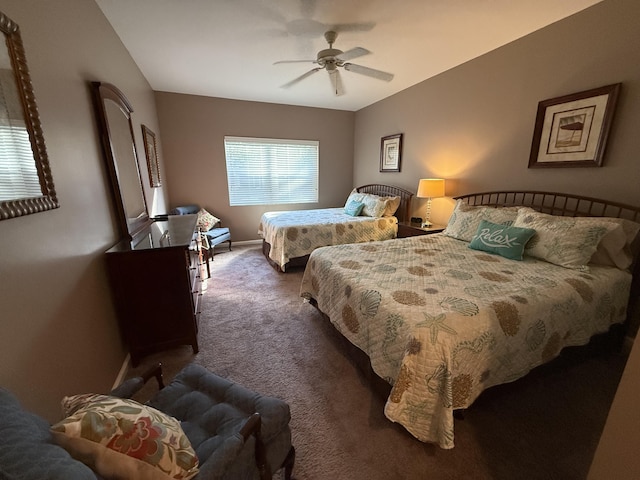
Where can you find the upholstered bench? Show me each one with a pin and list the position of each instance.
(236, 433)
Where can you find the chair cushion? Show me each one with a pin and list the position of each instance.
(27, 450)
(215, 235)
(213, 409)
(185, 210)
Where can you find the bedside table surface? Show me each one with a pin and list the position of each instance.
(408, 229)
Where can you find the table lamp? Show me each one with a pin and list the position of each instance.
(430, 188)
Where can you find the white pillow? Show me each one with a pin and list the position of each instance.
(392, 206)
(354, 195)
(465, 219)
(615, 247)
(566, 241)
(374, 206)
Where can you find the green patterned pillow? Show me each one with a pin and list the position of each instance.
(566, 241)
(374, 205)
(508, 242)
(465, 219)
(120, 438)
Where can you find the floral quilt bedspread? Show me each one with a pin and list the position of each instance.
(297, 233)
(442, 322)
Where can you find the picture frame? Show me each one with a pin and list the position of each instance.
(572, 130)
(391, 153)
(151, 153)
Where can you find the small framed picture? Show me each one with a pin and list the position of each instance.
(152, 156)
(572, 131)
(391, 153)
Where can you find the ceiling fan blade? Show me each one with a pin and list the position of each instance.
(370, 72)
(294, 61)
(352, 27)
(336, 82)
(353, 53)
(301, 77)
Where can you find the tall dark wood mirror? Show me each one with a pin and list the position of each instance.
(26, 184)
(118, 143)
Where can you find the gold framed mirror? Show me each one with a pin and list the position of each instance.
(118, 143)
(26, 184)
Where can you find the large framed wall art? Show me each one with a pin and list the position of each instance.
(572, 131)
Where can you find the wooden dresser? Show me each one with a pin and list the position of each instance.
(157, 284)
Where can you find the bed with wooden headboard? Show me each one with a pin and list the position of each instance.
(443, 317)
(289, 237)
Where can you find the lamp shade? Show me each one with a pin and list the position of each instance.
(430, 188)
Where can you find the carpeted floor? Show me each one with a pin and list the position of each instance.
(256, 330)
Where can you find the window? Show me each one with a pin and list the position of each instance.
(18, 173)
(265, 171)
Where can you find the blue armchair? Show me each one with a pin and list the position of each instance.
(212, 237)
(236, 433)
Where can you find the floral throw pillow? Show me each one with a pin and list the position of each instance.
(566, 241)
(465, 219)
(120, 438)
(206, 221)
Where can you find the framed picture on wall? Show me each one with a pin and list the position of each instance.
(152, 156)
(391, 153)
(572, 131)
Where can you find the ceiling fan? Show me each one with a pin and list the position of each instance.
(330, 59)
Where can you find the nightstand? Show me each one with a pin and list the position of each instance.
(407, 229)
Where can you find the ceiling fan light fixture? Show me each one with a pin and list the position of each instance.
(331, 58)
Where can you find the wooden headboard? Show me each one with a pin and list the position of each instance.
(404, 210)
(573, 206)
(555, 204)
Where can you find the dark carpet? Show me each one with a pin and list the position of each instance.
(257, 331)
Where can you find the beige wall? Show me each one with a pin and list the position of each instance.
(473, 125)
(617, 454)
(59, 334)
(193, 140)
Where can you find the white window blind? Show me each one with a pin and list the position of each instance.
(18, 173)
(265, 171)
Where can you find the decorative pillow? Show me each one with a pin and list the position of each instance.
(206, 221)
(353, 208)
(566, 241)
(120, 438)
(614, 249)
(506, 241)
(392, 206)
(374, 205)
(465, 219)
(354, 195)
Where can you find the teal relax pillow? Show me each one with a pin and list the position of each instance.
(508, 242)
(353, 208)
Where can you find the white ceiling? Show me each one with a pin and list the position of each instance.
(226, 48)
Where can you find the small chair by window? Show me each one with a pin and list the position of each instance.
(213, 233)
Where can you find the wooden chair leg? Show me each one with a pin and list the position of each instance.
(288, 463)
